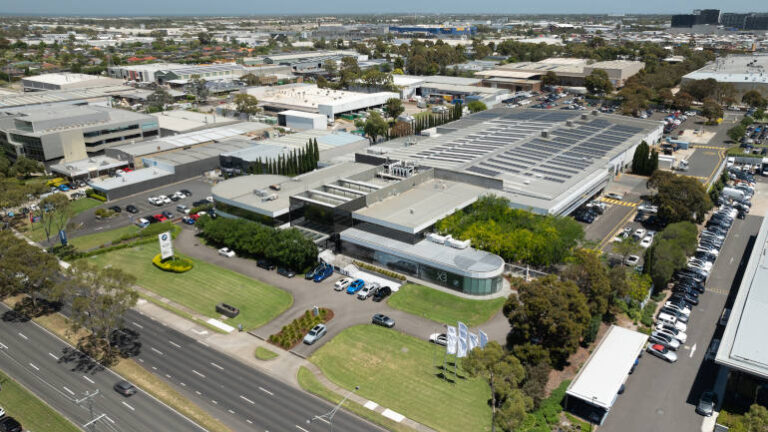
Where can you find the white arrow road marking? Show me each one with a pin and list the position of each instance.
(693, 350)
(34, 367)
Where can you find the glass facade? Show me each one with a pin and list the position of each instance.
(246, 214)
(465, 284)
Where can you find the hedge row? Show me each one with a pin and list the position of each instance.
(173, 264)
(95, 195)
(293, 333)
(381, 271)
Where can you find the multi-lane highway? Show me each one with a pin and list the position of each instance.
(75, 386)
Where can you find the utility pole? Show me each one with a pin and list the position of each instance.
(328, 417)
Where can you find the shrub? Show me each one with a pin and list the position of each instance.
(647, 316)
(173, 264)
(95, 195)
(591, 331)
(293, 333)
(381, 271)
(202, 207)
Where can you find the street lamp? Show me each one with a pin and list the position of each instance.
(328, 417)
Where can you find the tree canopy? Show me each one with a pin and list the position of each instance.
(679, 198)
(375, 126)
(754, 99)
(247, 104)
(644, 161)
(394, 107)
(476, 106)
(588, 272)
(598, 82)
(670, 251)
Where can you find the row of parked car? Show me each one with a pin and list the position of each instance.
(362, 289)
(162, 200)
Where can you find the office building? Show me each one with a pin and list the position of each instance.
(172, 73)
(698, 17)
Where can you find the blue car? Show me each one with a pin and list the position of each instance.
(63, 188)
(355, 286)
(324, 273)
(188, 220)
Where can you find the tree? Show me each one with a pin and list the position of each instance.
(503, 373)
(375, 126)
(548, 312)
(476, 106)
(754, 99)
(159, 99)
(669, 252)
(711, 110)
(204, 38)
(250, 79)
(54, 213)
(679, 198)
(100, 297)
(198, 88)
(682, 101)
(550, 79)
(640, 159)
(701, 89)
(598, 82)
(588, 272)
(331, 68)
(24, 167)
(394, 107)
(737, 132)
(626, 247)
(756, 419)
(247, 104)
(349, 72)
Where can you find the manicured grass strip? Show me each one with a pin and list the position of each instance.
(91, 241)
(31, 412)
(181, 313)
(262, 353)
(442, 307)
(401, 373)
(83, 204)
(308, 382)
(201, 288)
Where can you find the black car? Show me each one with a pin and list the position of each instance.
(382, 293)
(10, 424)
(167, 214)
(125, 388)
(685, 298)
(116, 209)
(286, 272)
(265, 264)
(685, 289)
(199, 203)
(130, 208)
(174, 197)
(151, 219)
(186, 192)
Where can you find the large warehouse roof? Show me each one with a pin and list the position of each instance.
(56, 96)
(744, 69)
(743, 345)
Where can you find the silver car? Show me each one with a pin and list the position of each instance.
(664, 339)
(316, 333)
(662, 352)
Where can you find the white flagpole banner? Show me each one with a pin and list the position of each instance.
(474, 341)
(483, 339)
(166, 249)
(463, 340)
(450, 348)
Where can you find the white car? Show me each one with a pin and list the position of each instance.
(646, 241)
(165, 199)
(648, 208)
(672, 331)
(662, 352)
(227, 252)
(683, 310)
(639, 233)
(615, 196)
(365, 292)
(152, 200)
(342, 284)
(632, 260)
(668, 319)
(439, 339)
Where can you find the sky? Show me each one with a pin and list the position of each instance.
(297, 7)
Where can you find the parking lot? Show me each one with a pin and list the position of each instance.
(88, 224)
(662, 396)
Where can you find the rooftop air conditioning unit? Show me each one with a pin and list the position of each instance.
(569, 123)
(583, 116)
(545, 134)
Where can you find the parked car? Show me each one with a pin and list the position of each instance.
(646, 241)
(10, 424)
(116, 209)
(130, 208)
(664, 339)
(342, 284)
(615, 196)
(227, 252)
(365, 292)
(160, 217)
(282, 271)
(724, 316)
(181, 208)
(439, 338)
(662, 352)
(355, 286)
(382, 293)
(632, 260)
(707, 403)
(311, 274)
(168, 214)
(667, 328)
(265, 264)
(325, 272)
(316, 333)
(188, 220)
(383, 320)
(125, 388)
(142, 223)
(672, 320)
(712, 350)
(186, 192)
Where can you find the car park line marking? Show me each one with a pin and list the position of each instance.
(693, 350)
(248, 421)
(266, 391)
(301, 428)
(3, 346)
(198, 393)
(156, 350)
(174, 344)
(131, 408)
(141, 360)
(247, 400)
(216, 366)
(68, 390)
(198, 373)
(230, 411)
(34, 367)
(167, 376)
(22, 336)
(110, 420)
(137, 324)
(52, 355)
(324, 420)
(182, 384)
(88, 379)
(214, 402)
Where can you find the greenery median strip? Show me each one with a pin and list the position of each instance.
(31, 412)
(443, 307)
(262, 353)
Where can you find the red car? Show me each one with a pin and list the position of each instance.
(194, 216)
(127, 169)
(160, 218)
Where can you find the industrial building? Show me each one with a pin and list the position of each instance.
(744, 72)
(311, 98)
(526, 76)
(66, 81)
(88, 96)
(300, 120)
(434, 30)
(448, 89)
(176, 122)
(172, 73)
(50, 134)
(598, 384)
(742, 348)
(306, 62)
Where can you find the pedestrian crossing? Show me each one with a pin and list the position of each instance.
(617, 202)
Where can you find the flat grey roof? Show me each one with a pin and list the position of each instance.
(741, 69)
(420, 206)
(599, 380)
(466, 262)
(129, 178)
(258, 150)
(202, 152)
(744, 345)
(85, 166)
(55, 96)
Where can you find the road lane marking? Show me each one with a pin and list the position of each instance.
(216, 403)
(301, 428)
(198, 393)
(126, 404)
(248, 421)
(322, 419)
(174, 344)
(693, 350)
(22, 336)
(156, 350)
(167, 376)
(88, 379)
(182, 384)
(266, 391)
(3, 346)
(230, 411)
(137, 324)
(35, 367)
(54, 356)
(68, 390)
(141, 360)
(202, 343)
(216, 366)
(198, 373)
(247, 400)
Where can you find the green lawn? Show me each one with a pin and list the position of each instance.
(400, 372)
(443, 307)
(201, 288)
(36, 232)
(31, 412)
(83, 204)
(92, 241)
(262, 353)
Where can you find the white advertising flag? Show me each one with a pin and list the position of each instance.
(474, 341)
(450, 347)
(166, 249)
(483, 339)
(463, 340)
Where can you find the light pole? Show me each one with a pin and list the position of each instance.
(328, 417)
